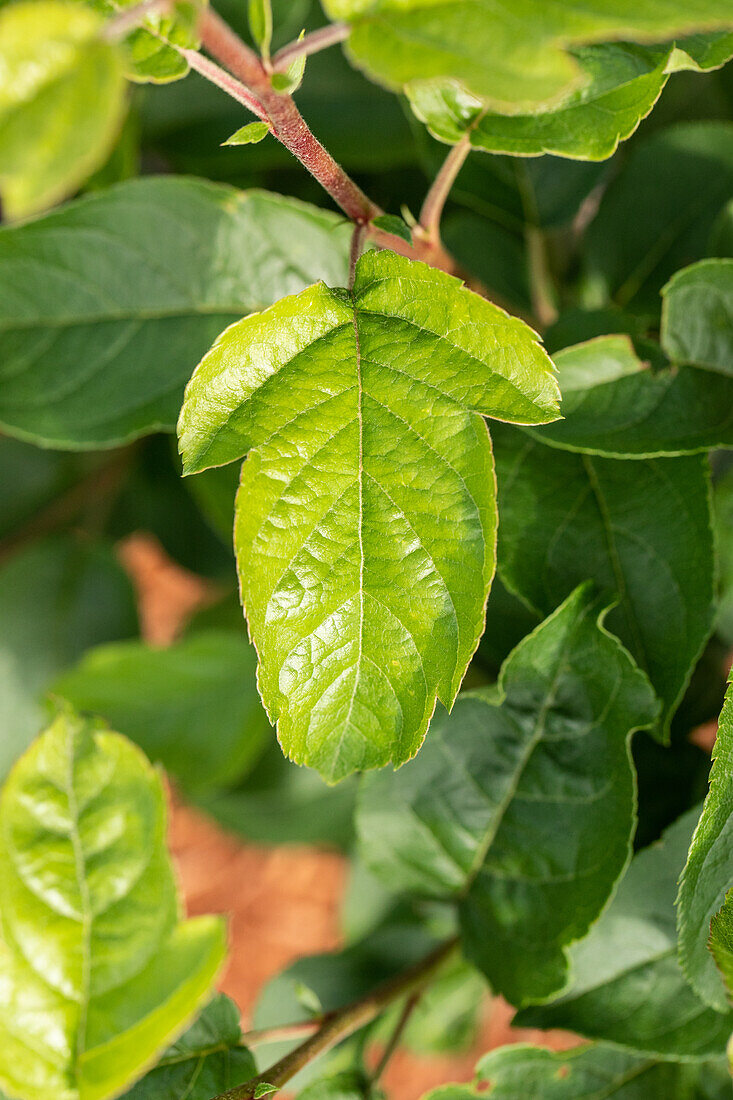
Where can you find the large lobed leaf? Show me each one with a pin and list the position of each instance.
(61, 102)
(628, 987)
(366, 517)
(521, 804)
(107, 304)
(708, 875)
(97, 972)
(514, 55)
(641, 530)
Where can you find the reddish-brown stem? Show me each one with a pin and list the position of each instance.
(432, 209)
(225, 81)
(310, 44)
(357, 243)
(286, 121)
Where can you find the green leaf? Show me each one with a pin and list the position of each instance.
(38, 478)
(702, 52)
(208, 1059)
(260, 24)
(61, 102)
(57, 598)
(628, 986)
(264, 1089)
(250, 134)
(622, 82)
(342, 547)
(390, 223)
(106, 305)
(708, 875)
(723, 501)
(587, 1073)
(517, 58)
(641, 530)
(615, 406)
(98, 972)
(289, 81)
(151, 54)
(521, 804)
(721, 942)
(349, 1084)
(697, 318)
(658, 213)
(193, 707)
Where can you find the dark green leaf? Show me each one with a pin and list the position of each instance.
(708, 875)
(641, 530)
(615, 406)
(521, 803)
(107, 305)
(721, 942)
(658, 213)
(365, 562)
(192, 707)
(697, 318)
(57, 598)
(206, 1060)
(390, 223)
(628, 987)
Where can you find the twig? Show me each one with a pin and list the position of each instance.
(310, 44)
(265, 1035)
(394, 1040)
(225, 81)
(432, 208)
(345, 1022)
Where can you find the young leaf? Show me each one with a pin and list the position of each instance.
(61, 102)
(708, 875)
(521, 803)
(616, 407)
(192, 707)
(106, 305)
(289, 81)
(622, 82)
(360, 411)
(260, 24)
(57, 598)
(516, 58)
(250, 134)
(594, 1072)
(628, 987)
(264, 1089)
(641, 530)
(208, 1059)
(658, 213)
(697, 316)
(390, 223)
(97, 971)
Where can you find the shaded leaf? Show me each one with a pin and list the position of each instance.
(206, 1060)
(721, 942)
(61, 102)
(521, 803)
(57, 598)
(641, 530)
(390, 223)
(342, 554)
(697, 318)
(708, 874)
(97, 969)
(615, 406)
(628, 987)
(106, 305)
(657, 215)
(193, 707)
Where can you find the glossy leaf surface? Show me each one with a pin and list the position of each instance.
(108, 304)
(521, 803)
(615, 406)
(697, 319)
(641, 530)
(208, 1059)
(366, 510)
(708, 875)
(192, 707)
(516, 57)
(98, 972)
(628, 986)
(61, 102)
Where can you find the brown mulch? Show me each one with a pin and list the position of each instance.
(283, 902)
